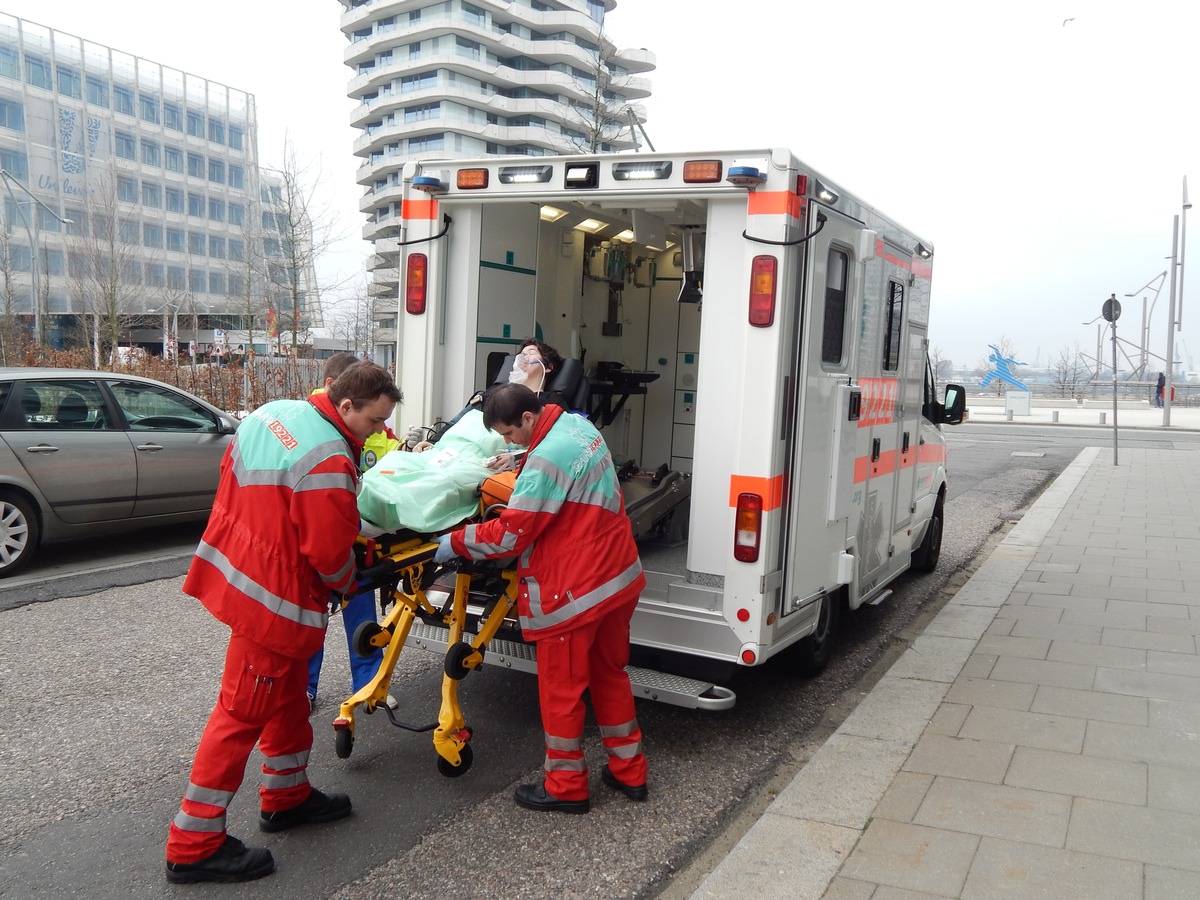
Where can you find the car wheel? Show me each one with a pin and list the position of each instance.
(19, 532)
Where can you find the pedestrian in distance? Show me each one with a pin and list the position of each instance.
(361, 606)
(579, 578)
(278, 544)
(1158, 391)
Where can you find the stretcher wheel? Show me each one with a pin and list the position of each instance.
(343, 742)
(466, 756)
(456, 656)
(362, 637)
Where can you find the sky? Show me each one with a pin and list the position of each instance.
(1040, 145)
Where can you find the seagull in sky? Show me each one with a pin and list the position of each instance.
(1065, 21)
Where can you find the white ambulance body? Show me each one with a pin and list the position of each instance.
(745, 321)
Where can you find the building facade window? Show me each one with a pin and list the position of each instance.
(97, 91)
(198, 280)
(216, 282)
(237, 250)
(130, 232)
(195, 165)
(124, 146)
(196, 242)
(10, 63)
(149, 107)
(177, 278)
(235, 137)
(195, 204)
(69, 83)
(12, 115)
(127, 189)
(123, 100)
(152, 236)
(155, 274)
(216, 209)
(216, 171)
(37, 72)
(216, 131)
(216, 247)
(151, 153)
(152, 194)
(172, 117)
(237, 177)
(174, 157)
(195, 124)
(174, 200)
(175, 240)
(237, 214)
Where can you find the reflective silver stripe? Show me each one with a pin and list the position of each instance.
(207, 796)
(478, 550)
(628, 751)
(184, 822)
(618, 731)
(562, 743)
(340, 575)
(283, 608)
(581, 604)
(278, 782)
(324, 481)
(287, 761)
(565, 765)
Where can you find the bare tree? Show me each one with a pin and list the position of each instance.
(596, 124)
(349, 321)
(104, 264)
(1070, 372)
(13, 336)
(296, 232)
(942, 368)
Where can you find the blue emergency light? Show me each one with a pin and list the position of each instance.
(745, 176)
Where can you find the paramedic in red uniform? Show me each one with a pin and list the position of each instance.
(579, 580)
(278, 542)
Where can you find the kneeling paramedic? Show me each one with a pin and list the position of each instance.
(579, 581)
(278, 542)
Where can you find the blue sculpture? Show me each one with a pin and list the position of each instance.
(1001, 370)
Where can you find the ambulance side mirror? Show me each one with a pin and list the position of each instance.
(955, 406)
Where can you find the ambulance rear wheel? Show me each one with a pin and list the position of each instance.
(363, 635)
(925, 557)
(466, 756)
(814, 652)
(343, 741)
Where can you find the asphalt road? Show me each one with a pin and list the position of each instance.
(105, 694)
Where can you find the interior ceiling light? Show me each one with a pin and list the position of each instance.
(626, 235)
(591, 226)
(552, 213)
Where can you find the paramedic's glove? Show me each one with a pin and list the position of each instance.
(445, 552)
(337, 602)
(504, 461)
(414, 436)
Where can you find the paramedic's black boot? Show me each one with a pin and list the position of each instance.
(534, 796)
(637, 792)
(317, 808)
(233, 861)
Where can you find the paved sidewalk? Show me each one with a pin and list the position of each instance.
(1041, 738)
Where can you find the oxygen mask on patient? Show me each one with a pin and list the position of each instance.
(529, 370)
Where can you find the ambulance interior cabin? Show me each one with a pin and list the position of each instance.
(619, 288)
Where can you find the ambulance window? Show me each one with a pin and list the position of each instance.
(895, 318)
(833, 335)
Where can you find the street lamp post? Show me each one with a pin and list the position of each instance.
(1148, 315)
(39, 325)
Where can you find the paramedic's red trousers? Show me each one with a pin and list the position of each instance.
(262, 700)
(593, 656)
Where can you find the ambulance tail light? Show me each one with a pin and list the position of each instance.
(702, 171)
(747, 527)
(416, 284)
(471, 179)
(762, 291)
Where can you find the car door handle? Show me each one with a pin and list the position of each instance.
(41, 448)
(149, 447)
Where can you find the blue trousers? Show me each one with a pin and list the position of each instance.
(361, 608)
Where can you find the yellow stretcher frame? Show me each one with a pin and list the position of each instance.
(402, 566)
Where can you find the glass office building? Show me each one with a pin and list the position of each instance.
(92, 137)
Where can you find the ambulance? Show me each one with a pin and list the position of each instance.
(755, 342)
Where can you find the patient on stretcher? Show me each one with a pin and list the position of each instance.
(431, 491)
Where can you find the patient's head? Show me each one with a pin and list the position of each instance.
(533, 364)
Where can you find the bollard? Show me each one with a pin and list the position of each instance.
(1102, 417)
(1054, 417)
(1008, 415)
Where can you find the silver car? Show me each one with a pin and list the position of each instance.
(83, 453)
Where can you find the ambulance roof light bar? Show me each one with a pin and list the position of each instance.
(746, 176)
(923, 251)
(430, 184)
(825, 194)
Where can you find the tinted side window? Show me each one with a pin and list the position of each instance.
(833, 333)
(148, 407)
(895, 319)
(62, 406)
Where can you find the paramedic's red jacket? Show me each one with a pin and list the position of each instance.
(283, 525)
(566, 522)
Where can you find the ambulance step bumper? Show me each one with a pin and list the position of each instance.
(649, 684)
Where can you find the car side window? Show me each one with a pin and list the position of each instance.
(63, 406)
(148, 407)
